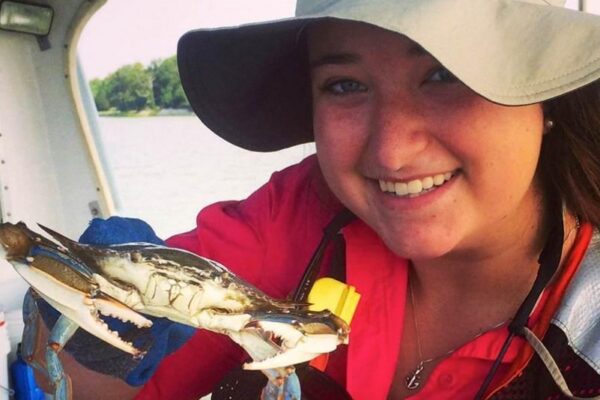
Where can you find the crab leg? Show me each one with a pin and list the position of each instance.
(31, 331)
(62, 331)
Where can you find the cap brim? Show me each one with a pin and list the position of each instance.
(234, 78)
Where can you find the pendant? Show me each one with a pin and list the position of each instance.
(413, 381)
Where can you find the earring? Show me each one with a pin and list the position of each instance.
(548, 125)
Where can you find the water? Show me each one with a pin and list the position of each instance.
(165, 169)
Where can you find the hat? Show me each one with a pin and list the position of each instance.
(251, 84)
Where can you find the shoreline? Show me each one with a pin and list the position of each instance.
(167, 112)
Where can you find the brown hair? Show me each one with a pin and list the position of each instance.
(570, 158)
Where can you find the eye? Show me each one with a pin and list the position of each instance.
(442, 75)
(344, 86)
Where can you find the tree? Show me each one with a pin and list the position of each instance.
(130, 88)
(166, 85)
(100, 93)
(133, 87)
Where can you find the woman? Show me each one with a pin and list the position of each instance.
(464, 135)
(441, 127)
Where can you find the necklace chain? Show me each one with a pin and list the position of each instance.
(413, 380)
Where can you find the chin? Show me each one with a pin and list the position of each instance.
(419, 245)
(417, 251)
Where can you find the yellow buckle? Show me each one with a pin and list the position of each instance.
(339, 298)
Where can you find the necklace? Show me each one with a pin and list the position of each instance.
(413, 380)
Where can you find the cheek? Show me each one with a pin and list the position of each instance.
(503, 147)
(339, 143)
(489, 132)
(332, 152)
(338, 138)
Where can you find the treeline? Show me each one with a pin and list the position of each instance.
(135, 87)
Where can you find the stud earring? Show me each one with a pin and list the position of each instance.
(548, 125)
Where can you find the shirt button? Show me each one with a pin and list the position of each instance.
(446, 380)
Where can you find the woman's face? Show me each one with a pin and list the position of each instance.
(432, 167)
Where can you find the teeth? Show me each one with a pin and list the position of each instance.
(427, 182)
(438, 179)
(415, 186)
(390, 186)
(401, 188)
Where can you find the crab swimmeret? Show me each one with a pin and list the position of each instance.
(84, 282)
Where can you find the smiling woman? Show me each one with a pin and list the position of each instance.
(436, 126)
(404, 120)
(455, 186)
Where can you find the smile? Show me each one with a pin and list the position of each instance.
(415, 187)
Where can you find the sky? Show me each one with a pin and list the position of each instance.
(128, 31)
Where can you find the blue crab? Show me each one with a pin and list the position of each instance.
(85, 282)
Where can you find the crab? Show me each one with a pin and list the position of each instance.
(85, 283)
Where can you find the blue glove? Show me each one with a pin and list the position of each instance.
(163, 338)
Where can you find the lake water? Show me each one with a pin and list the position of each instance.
(165, 169)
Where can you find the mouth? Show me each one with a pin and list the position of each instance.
(416, 187)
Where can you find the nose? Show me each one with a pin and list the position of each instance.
(398, 133)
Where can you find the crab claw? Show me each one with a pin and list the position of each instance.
(295, 338)
(295, 347)
(82, 309)
(66, 284)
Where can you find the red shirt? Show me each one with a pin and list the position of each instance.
(267, 240)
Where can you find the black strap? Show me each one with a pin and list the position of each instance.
(337, 269)
(549, 261)
(311, 272)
